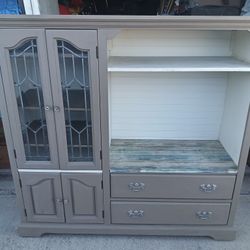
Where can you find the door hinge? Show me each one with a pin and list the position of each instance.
(102, 213)
(101, 184)
(14, 153)
(25, 212)
(101, 154)
(97, 52)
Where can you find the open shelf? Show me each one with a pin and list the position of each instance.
(177, 64)
(170, 156)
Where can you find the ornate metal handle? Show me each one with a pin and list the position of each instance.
(57, 109)
(208, 188)
(47, 108)
(204, 215)
(135, 213)
(136, 186)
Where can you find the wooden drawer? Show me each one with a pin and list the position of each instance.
(172, 186)
(169, 213)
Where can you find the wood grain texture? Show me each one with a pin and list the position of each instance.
(169, 156)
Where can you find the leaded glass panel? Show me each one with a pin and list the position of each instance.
(29, 96)
(75, 82)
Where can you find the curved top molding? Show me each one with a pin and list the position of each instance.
(95, 22)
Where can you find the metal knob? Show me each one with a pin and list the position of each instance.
(135, 213)
(204, 215)
(47, 108)
(136, 186)
(58, 200)
(208, 188)
(57, 109)
(65, 201)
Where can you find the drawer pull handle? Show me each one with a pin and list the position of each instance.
(136, 186)
(135, 213)
(203, 215)
(208, 188)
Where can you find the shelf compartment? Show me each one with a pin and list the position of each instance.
(170, 156)
(177, 64)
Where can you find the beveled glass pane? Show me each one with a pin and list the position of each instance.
(29, 96)
(74, 70)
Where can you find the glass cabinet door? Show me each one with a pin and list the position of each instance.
(74, 75)
(28, 95)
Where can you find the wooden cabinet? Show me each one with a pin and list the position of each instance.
(48, 89)
(52, 90)
(127, 126)
(54, 197)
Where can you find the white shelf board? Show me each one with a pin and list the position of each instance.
(177, 64)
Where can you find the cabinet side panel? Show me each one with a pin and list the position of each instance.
(241, 45)
(235, 114)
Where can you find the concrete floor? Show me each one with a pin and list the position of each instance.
(9, 240)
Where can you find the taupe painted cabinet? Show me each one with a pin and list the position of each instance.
(121, 125)
(45, 137)
(50, 196)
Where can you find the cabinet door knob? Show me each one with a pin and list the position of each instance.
(204, 215)
(65, 201)
(47, 108)
(59, 200)
(135, 213)
(57, 109)
(208, 188)
(136, 186)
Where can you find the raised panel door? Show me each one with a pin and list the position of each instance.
(42, 195)
(83, 198)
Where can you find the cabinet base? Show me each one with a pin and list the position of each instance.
(224, 233)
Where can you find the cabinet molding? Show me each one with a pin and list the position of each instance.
(98, 22)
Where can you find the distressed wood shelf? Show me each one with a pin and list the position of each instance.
(170, 156)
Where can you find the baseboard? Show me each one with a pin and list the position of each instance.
(38, 229)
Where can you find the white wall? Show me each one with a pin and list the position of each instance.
(241, 45)
(167, 105)
(159, 42)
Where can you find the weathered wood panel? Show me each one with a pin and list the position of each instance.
(170, 156)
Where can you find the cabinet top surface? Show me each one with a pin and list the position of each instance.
(95, 22)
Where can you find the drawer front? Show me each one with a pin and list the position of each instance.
(172, 186)
(169, 213)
